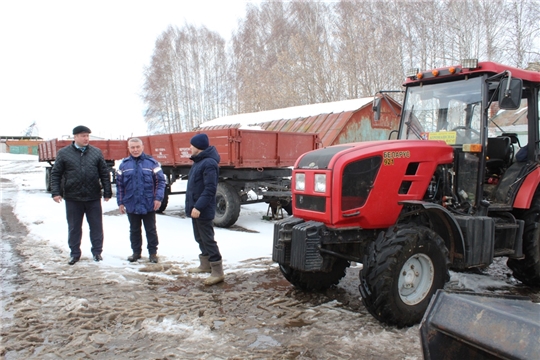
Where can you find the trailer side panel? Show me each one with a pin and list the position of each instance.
(112, 149)
(237, 148)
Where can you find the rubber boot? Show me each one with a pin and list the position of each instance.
(217, 275)
(204, 267)
(134, 257)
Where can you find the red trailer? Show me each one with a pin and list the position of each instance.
(112, 150)
(251, 161)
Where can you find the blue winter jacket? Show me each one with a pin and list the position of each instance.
(139, 181)
(202, 184)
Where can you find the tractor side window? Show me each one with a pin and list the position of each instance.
(358, 178)
(509, 122)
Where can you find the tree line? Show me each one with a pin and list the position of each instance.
(304, 52)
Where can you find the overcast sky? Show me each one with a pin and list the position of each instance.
(64, 62)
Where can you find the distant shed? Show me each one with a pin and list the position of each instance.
(27, 145)
(336, 123)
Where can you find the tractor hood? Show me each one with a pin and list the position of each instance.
(365, 181)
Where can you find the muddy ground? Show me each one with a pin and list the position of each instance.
(55, 311)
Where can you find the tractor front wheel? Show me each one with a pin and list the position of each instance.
(402, 270)
(315, 280)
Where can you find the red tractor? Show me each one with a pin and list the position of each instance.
(458, 187)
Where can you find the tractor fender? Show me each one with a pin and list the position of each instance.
(445, 225)
(526, 191)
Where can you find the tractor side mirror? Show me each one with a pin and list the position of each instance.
(376, 108)
(510, 91)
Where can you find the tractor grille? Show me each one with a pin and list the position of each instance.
(309, 202)
(358, 179)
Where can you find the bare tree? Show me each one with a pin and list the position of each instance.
(159, 90)
(186, 80)
(523, 34)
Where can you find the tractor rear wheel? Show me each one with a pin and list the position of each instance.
(48, 179)
(287, 207)
(318, 280)
(227, 205)
(165, 200)
(402, 270)
(527, 270)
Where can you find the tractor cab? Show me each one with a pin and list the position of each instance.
(487, 114)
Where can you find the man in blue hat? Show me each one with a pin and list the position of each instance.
(78, 176)
(201, 206)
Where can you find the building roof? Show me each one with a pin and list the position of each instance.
(250, 119)
(327, 120)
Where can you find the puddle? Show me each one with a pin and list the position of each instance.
(263, 342)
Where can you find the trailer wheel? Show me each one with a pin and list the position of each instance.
(48, 179)
(165, 200)
(527, 270)
(402, 270)
(288, 208)
(318, 280)
(227, 205)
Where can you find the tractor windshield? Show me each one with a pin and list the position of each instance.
(447, 111)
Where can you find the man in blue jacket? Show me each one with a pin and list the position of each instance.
(140, 187)
(201, 206)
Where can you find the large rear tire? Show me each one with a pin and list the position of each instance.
(287, 207)
(318, 280)
(402, 270)
(48, 179)
(527, 270)
(165, 200)
(227, 205)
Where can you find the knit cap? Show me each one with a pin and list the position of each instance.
(200, 141)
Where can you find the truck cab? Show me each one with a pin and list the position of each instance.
(457, 188)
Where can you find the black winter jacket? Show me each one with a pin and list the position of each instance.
(80, 175)
(202, 184)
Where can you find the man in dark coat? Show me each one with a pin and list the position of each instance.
(78, 176)
(201, 206)
(140, 187)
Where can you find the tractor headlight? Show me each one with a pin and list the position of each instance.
(320, 183)
(300, 181)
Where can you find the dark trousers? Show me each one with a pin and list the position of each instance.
(75, 211)
(135, 233)
(203, 230)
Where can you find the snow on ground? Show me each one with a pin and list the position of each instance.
(46, 220)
